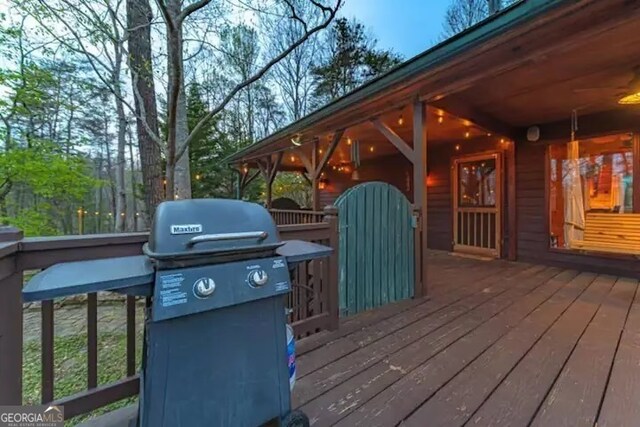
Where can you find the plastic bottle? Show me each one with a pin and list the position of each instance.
(291, 356)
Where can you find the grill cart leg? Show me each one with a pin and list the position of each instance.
(295, 419)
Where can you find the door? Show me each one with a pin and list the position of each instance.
(376, 247)
(477, 205)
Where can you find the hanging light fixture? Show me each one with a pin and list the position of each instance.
(296, 140)
(632, 95)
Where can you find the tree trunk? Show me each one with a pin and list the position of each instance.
(179, 179)
(139, 18)
(135, 215)
(121, 194)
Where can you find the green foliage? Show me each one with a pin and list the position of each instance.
(352, 60)
(293, 186)
(211, 176)
(48, 176)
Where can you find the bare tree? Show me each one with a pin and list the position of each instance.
(292, 75)
(462, 14)
(174, 21)
(87, 22)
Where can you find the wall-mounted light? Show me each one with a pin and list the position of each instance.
(322, 183)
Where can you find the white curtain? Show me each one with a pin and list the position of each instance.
(574, 216)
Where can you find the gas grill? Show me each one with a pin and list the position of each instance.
(215, 339)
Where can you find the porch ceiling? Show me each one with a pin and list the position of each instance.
(589, 75)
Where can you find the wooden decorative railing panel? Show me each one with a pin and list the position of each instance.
(289, 217)
(314, 305)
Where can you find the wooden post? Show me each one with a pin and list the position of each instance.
(315, 191)
(420, 189)
(512, 252)
(10, 318)
(636, 173)
(333, 297)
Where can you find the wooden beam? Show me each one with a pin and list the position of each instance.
(512, 220)
(308, 165)
(395, 139)
(636, 173)
(622, 120)
(275, 165)
(315, 191)
(420, 114)
(337, 136)
(251, 178)
(306, 178)
(464, 110)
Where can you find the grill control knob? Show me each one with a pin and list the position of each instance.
(258, 278)
(203, 288)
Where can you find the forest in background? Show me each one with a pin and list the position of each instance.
(108, 107)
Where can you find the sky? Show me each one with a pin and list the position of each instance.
(406, 26)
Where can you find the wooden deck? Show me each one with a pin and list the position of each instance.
(497, 343)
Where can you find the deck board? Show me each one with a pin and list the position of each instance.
(496, 343)
(343, 399)
(620, 407)
(576, 395)
(370, 335)
(517, 399)
(455, 403)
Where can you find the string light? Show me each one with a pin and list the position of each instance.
(320, 151)
(197, 177)
(457, 147)
(400, 120)
(293, 158)
(97, 213)
(440, 119)
(467, 134)
(348, 141)
(372, 149)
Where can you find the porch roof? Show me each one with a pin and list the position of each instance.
(524, 37)
(492, 27)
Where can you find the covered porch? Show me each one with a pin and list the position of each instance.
(476, 133)
(498, 343)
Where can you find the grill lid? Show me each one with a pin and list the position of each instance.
(204, 227)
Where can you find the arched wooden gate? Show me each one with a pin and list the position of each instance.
(376, 254)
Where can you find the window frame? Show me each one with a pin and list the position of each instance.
(635, 149)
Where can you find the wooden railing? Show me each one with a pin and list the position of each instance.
(287, 217)
(314, 305)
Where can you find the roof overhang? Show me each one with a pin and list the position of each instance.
(503, 42)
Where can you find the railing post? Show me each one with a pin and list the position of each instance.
(333, 306)
(10, 318)
(418, 269)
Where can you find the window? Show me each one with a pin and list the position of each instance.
(477, 182)
(590, 186)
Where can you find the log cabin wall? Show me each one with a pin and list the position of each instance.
(533, 228)
(395, 170)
